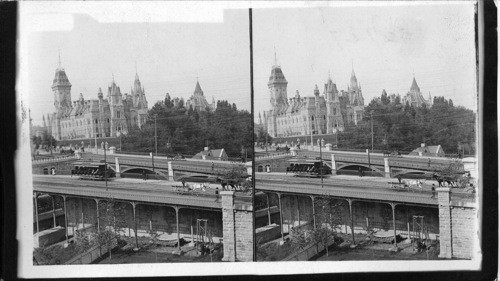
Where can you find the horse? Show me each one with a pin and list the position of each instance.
(411, 183)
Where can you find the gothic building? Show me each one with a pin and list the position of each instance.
(324, 113)
(101, 117)
(198, 102)
(415, 98)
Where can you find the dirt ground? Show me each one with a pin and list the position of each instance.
(151, 253)
(372, 250)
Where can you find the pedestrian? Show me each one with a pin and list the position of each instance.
(399, 179)
(429, 163)
(217, 194)
(144, 176)
(360, 172)
(212, 166)
(433, 191)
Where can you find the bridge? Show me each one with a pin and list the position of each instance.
(363, 202)
(348, 162)
(129, 165)
(138, 196)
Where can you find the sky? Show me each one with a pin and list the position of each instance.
(172, 45)
(385, 44)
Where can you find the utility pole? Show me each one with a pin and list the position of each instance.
(267, 153)
(153, 162)
(371, 113)
(321, 161)
(105, 166)
(156, 143)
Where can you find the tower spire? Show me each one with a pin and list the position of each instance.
(275, 58)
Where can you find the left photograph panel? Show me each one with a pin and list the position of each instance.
(140, 133)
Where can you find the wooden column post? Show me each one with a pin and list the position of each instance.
(135, 225)
(298, 209)
(35, 196)
(177, 227)
(65, 217)
(268, 210)
(393, 206)
(53, 210)
(314, 212)
(281, 216)
(97, 215)
(81, 208)
(352, 219)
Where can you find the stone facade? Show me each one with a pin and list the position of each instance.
(237, 228)
(101, 117)
(318, 114)
(456, 227)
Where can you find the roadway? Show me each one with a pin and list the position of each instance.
(365, 188)
(410, 161)
(151, 191)
(194, 165)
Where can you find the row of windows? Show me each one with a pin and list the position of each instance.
(80, 123)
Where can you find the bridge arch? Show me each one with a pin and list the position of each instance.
(135, 170)
(355, 167)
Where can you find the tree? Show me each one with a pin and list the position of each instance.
(112, 221)
(328, 220)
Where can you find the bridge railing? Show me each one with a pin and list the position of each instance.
(274, 155)
(52, 160)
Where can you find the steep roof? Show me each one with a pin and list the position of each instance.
(212, 154)
(197, 90)
(277, 76)
(61, 79)
(414, 87)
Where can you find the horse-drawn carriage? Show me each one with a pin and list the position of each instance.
(392, 154)
(407, 185)
(191, 188)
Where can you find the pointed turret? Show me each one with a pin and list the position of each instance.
(316, 90)
(99, 94)
(414, 86)
(197, 89)
(354, 81)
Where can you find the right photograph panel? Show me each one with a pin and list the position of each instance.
(366, 133)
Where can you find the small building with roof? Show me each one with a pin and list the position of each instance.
(428, 150)
(212, 154)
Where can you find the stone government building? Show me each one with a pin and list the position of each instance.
(325, 113)
(317, 114)
(101, 117)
